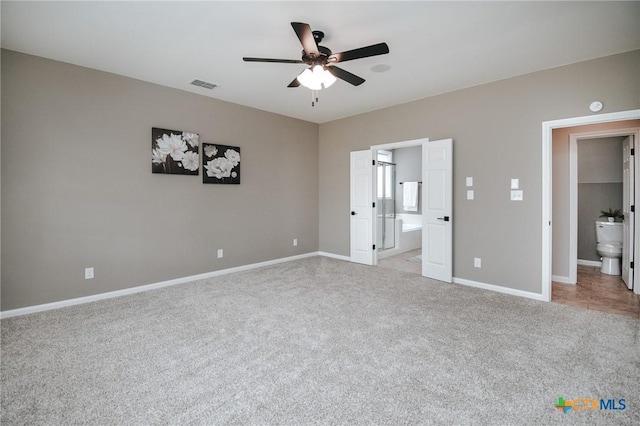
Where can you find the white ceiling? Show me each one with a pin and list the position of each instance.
(435, 47)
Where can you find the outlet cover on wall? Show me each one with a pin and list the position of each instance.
(220, 253)
(477, 262)
(295, 242)
(470, 194)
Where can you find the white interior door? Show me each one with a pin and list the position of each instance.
(437, 196)
(628, 190)
(362, 246)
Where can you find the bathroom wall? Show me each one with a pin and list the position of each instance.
(599, 188)
(408, 169)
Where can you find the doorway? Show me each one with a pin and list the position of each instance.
(547, 193)
(601, 171)
(436, 192)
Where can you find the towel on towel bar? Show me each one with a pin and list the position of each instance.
(410, 196)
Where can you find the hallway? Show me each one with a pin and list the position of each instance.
(598, 291)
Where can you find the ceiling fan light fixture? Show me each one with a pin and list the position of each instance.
(327, 78)
(309, 80)
(316, 78)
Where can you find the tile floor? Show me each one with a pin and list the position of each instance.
(400, 262)
(597, 291)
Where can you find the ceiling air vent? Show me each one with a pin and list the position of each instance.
(204, 84)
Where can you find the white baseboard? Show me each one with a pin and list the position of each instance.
(148, 287)
(499, 289)
(589, 263)
(559, 279)
(334, 256)
(183, 280)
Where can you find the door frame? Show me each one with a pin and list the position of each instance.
(547, 138)
(374, 151)
(574, 138)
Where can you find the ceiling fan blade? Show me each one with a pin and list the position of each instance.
(363, 52)
(278, 61)
(346, 76)
(303, 31)
(294, 83)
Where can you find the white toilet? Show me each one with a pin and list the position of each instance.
(609, 246)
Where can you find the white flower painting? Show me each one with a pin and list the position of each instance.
(220, 164)
(174, 152)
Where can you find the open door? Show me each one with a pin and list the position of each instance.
(362, 246)
(628, 201)
(437, 193)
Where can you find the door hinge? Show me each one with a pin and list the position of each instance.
(633, 208)
(374, 246)
(374, 204)
(631, 266)
(633, 151)
(373, 162)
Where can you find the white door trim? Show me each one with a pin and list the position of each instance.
(547, 137)
(573, 188)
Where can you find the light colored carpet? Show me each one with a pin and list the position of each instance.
(317, 341)
(417, 259)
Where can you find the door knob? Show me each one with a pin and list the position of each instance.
(353, 213)
(446, 218)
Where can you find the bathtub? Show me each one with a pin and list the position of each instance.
(408, 227)
(408, 235)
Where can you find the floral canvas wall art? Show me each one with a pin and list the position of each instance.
(220, 164)
(174, 152)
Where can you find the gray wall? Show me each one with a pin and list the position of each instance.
(408, 169)
(496, 129)
(77, 187)
(560, 190)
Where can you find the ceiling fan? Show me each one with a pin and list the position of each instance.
(322, 72)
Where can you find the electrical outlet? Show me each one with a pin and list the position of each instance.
(295, 242)
(220, 253)
(470, 194)
(477, 262)
(88, 273)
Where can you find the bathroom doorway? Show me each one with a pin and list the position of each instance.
(399, 208)
(436, 226)
(602, 188)
(560, 227)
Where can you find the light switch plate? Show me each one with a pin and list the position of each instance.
(517, 195)
(515, 183)
(470, 194)
(469, 181)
